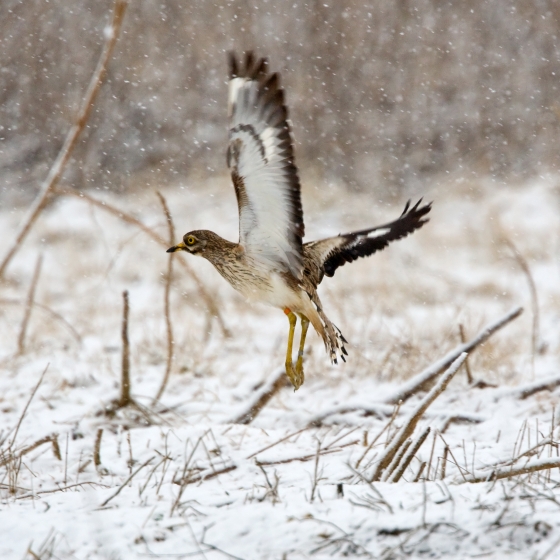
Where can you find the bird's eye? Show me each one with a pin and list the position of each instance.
(190, 240)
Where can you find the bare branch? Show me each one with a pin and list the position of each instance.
(58, 166)
(167, 313)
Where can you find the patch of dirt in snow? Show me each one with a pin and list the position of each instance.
(178, 479)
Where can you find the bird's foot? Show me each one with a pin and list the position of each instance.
(295, 374)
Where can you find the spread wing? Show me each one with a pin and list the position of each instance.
(325, 256)
(261, 160)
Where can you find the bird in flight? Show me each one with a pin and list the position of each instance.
(270, 264)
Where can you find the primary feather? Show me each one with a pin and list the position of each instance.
(261, 161)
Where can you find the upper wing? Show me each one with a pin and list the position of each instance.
(260, 158)
(325, 256)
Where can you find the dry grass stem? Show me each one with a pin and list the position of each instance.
(166, 309)
(59, 165)
(29, 305)
(209, 299)
(144, 464)
(61, 489)
(410, 424)
(11, 445)
(304, 458)
(422, 380)
(276, 381)
(276, 443)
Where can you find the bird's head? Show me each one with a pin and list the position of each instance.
(193, 242)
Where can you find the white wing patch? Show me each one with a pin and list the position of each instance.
(261, 161)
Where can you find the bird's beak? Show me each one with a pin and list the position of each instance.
(179, 247)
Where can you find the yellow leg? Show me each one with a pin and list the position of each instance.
(290, 371)
(299, 363)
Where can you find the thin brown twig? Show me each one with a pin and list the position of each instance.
(61, 489)
(29, 305)
(144, 464)
(276, 442)
(59, 164)
(208, 298)
(27, 406)
(305, 458)
(167, 312)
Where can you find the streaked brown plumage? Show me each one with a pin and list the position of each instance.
(270, 264)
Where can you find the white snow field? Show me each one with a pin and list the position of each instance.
(181, 478)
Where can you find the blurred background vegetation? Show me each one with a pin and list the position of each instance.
(383, 95)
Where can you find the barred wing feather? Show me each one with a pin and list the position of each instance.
(325, 256)
(261, 161)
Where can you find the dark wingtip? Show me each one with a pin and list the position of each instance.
(232, 63)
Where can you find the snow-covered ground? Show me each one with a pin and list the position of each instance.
(282, 486)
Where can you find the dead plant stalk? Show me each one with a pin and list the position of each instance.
(125, 370)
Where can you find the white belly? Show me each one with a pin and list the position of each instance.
(275, 293)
